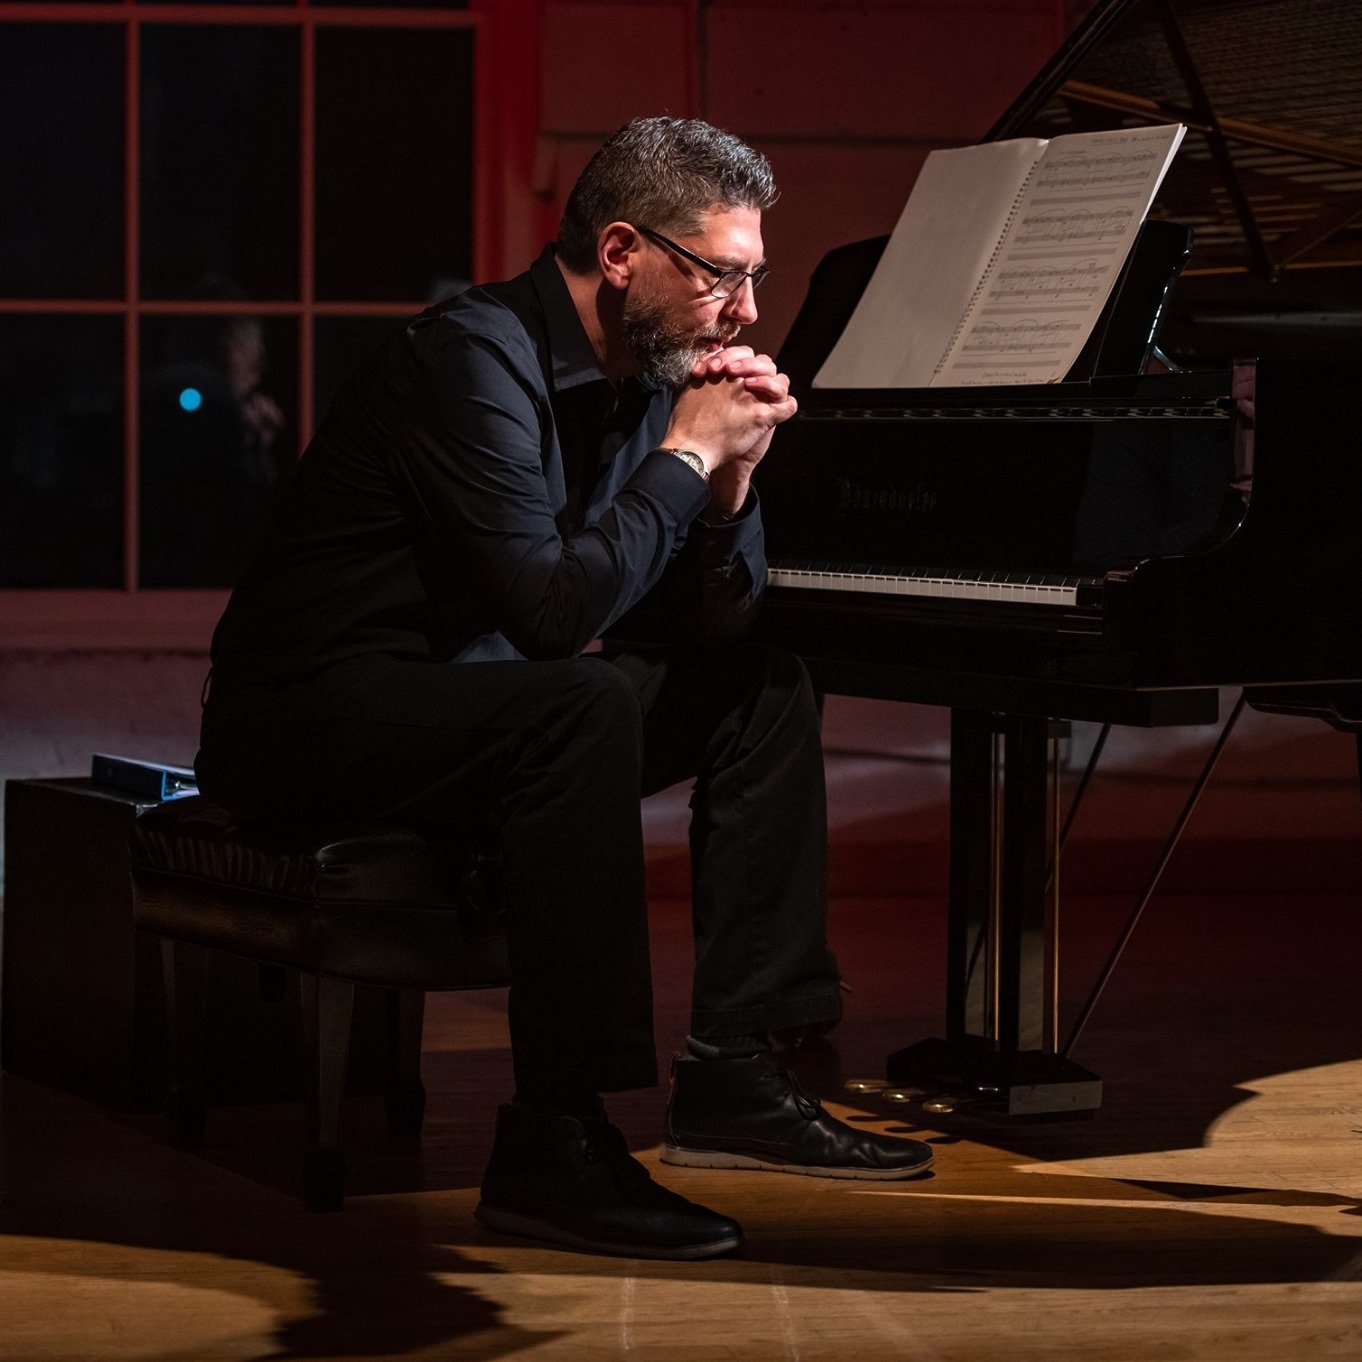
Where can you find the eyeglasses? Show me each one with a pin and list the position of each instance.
(728, 282)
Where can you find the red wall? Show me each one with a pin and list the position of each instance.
(845, 98)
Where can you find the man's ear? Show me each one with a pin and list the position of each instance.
(617, 251)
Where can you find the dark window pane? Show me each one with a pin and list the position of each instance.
(61, 451)
(61, 161)
(219, 162)
(394, 162)
(340, 344)
(218, 436)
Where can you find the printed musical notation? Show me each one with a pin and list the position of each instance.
(1002, 260)
(1117, 171)
(1073, 226)
(1033, 283)
(1027, 336)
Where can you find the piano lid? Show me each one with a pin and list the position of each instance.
(1270, 174)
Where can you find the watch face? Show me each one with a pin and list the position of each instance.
(694, 460)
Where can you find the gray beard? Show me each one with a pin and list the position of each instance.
(666, 353)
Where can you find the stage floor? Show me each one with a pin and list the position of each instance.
(1211, 1210)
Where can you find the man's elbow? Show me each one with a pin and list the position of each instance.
(548, 637)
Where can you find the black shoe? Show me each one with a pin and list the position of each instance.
(574, 1183)
(752, 1113)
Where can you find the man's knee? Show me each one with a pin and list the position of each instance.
(772, 678)
(582, 743)
(786, 672)
(590, 701)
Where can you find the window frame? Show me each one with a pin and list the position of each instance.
(132, 618)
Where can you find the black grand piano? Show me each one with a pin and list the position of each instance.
(1183, 513)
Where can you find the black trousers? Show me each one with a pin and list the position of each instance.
(555, 757)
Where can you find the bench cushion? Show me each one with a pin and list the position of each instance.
(374, 902)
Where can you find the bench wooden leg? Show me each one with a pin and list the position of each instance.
(328, 1005)
(184, 969)
(406, 1094)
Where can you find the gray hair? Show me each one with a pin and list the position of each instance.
(661, 173)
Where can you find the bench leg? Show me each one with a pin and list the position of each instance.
(184, 968)
(327, 1008)
(406, 1095)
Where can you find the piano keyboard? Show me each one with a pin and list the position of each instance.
(1017, 588)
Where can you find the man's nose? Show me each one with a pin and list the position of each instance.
(741, 305)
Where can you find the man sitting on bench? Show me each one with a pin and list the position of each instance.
(523, 469)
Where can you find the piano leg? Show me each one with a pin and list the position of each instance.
(973, 892)
(999, 1050)
(1019, 908)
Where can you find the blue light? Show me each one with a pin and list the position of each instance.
(191, 399)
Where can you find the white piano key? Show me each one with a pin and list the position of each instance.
(937, 588)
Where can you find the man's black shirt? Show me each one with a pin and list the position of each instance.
(478, 492)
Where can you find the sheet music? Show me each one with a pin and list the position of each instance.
(1002, 261)
(1057, 264)
(941, 246)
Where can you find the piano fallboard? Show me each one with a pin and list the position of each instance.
(1177, 529)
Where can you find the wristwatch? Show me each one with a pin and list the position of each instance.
(690, 458)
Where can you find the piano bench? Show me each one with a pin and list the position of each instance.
(343, 904)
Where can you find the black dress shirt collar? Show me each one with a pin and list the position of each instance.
(574, 357)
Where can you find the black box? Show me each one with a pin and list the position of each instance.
(81, 1001)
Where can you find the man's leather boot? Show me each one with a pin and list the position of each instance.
(575, 1183)
(752, 1113)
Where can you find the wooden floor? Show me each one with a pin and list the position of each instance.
(1213, 1210)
